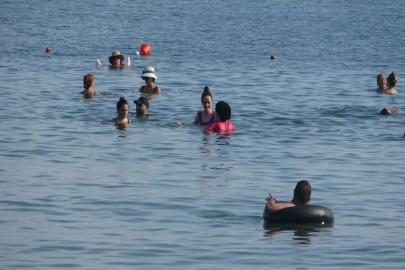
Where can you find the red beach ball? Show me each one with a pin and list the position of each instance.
(145, 49)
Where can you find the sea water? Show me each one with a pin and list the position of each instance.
(77, 191)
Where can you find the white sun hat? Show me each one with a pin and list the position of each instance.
(149, 72)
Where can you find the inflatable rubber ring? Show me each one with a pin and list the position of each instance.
(300, 214)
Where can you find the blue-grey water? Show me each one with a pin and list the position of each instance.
(79, 192)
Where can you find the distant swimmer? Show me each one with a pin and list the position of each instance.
(391, 82)
(122, 111)
(387, 111)
(222, 125)
(88, 83)
(149, 76)
(206, 116)
(142, 107)
(117, 59)
(382, 83)
(302, 196)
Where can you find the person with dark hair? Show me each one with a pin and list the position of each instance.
(142, 107)
(88, 83)
(149, 76)
(206, 116)
(382, 83)
(387, 111)
(391, 82)
(122, 110)
(302, 196)
(222, 125)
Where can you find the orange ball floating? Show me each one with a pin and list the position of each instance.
(273, 57)
(48, 50)
(145, 49)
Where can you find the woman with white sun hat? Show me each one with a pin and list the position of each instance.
(149, 76)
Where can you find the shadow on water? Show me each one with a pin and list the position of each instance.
(301, 232)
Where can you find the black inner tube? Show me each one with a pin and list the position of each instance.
(300, 214)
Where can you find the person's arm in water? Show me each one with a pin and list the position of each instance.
(196, 120)
(273, 206)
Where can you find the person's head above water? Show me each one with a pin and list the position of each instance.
(392, 79)
(302, 192)
(122, 108)
(206, 98)
(223, 111)
(116, 58)
(381, 81)
(385, 111)
(142, 106)
(88, 81)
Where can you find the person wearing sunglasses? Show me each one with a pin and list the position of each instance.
(117, 60)
(142, 107)
(148, 75)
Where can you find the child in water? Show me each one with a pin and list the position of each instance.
(207, 116)
(122, 110)
(222, 125)
(88, 83)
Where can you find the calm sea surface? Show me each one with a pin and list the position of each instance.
(79, 192)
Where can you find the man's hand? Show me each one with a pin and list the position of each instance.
(270, 199)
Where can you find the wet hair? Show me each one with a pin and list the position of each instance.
(302, 191)
(206, 93)
(121, 103)
(223, 110)
(88, 81)
(392, 79)
(385, 111)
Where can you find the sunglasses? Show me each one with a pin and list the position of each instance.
(145, 78)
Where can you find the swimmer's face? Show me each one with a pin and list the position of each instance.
(381, 81)
(206, 102)
(146, 79)
(116, 61)
(141, 109)
(123, 111)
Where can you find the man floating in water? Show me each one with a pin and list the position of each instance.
(302, 196)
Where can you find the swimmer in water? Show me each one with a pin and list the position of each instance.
(302, 196)
(222, 125)
(142, 107)
(382, 83)
(391, 82)
(122, 110)
(207, 116)
(88, 83)
(387, 111)
(117, 59)
(148, 75)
